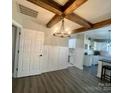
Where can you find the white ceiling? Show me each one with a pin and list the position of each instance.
(95, 10)
(43, 15)
(92, 10)
(101, 33)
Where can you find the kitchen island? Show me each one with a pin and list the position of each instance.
(100, 64)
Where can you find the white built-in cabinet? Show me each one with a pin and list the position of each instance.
(63, 57)
(31, 47)
(36, 58)
(88, 60)
(56, 57)
(72, 43)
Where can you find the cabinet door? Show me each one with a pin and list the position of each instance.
(31, 47)
(72, 43)
(57, 57)
(63, 57)
(95, 60)
(53, 52)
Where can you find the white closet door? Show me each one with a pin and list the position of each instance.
(44, 60)
(53, 58)
(31, 47)
(63, 57)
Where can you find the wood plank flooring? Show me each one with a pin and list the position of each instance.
(71, 80)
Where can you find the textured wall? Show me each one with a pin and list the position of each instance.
(79, 51)
(55, 41)
(15, 14)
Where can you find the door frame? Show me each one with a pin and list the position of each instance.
(16, 60)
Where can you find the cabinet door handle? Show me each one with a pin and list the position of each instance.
(41, 55)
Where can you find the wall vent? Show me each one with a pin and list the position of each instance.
(28, 11)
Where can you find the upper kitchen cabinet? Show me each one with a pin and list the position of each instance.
(72, 43)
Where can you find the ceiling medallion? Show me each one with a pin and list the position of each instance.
(62, 33)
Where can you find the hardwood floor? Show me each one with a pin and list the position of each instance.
(92, 70)
(71, 80)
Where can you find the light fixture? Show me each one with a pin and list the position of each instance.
(62, 33)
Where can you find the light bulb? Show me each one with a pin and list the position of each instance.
(69, 32)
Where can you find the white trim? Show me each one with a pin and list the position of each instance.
(16, 24)
(19, 29)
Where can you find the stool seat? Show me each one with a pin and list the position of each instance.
(107, 67)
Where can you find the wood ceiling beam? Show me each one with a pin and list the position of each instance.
(94, 26)
(68, 4)
(48, 5)
(68, 13)
(102, 24)
(79, 20)
(69, 7)
(73, 6)
(54, 20)
(72, 17)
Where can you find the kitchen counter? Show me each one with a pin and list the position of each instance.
(106, 60)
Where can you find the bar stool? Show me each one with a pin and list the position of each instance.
(104, 75)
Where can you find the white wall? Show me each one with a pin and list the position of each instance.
(103, 47)
(54, 48)
(25, 21)
(54, 41)
(79, 51)
(57, 51)
(15, 14)
(55, 55)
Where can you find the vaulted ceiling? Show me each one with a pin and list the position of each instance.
(80, 15)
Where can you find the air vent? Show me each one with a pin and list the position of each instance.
(28, 11)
